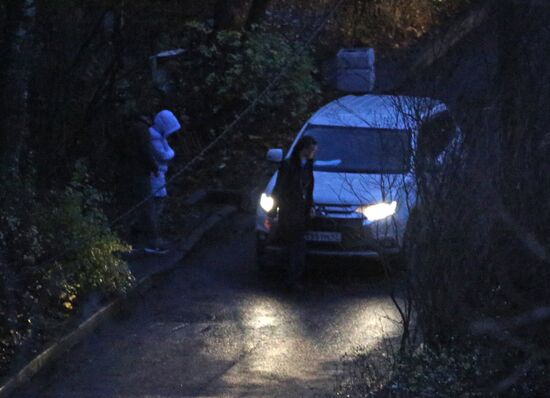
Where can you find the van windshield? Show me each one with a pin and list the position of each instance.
(361, 150)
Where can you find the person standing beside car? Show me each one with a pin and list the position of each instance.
(164, 125)
(293, 193)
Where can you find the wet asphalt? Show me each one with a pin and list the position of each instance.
(216, 327)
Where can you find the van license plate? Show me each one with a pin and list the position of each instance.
(316, 236)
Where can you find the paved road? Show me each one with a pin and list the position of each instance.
(215, 327)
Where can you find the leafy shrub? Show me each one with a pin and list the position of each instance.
(225, 71)
(421, 372)
(426, 373)
(55, 251)
(465, 369)
(77, 226)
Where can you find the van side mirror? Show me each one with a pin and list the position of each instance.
(275, 155)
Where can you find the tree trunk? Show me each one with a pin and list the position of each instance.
(231, 14)
(522, 80)
(15, 84)
(257, 12)
(238, 14)
(523, 94)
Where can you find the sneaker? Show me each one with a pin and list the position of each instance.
(155, 250)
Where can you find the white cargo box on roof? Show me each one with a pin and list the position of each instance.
(355, 70)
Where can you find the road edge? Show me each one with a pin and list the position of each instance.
(85, 328)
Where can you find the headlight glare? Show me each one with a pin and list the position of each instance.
(267, 203)
(379, 211)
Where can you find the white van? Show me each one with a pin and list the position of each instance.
(364, 176)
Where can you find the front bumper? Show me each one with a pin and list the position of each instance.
(276, 251)
(358, 242)
(359, 237)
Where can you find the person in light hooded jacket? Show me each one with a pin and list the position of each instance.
(165, 124)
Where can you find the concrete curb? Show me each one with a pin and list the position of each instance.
(64, 344)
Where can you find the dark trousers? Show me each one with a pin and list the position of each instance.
(135, 190)
(155, 209)
(144, 221)
(296, 253)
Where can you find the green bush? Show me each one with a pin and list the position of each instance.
(415, 373)
(426, 373)
(77, 227)
(225, 71)
(56, 250)
(466, 369)
(418, 372)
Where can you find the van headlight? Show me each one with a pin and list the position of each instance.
(267, 203)
(379, 211)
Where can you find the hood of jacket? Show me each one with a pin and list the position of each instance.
(166, 123)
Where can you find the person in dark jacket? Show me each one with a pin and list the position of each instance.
(293, 193)
(136, 164)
